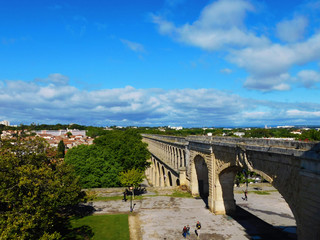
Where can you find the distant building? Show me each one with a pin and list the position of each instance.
(176, 128)
(62, 132)
(5, 122)
(239, 134)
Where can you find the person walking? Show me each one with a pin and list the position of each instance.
(184, 232)
(197, 231)
(188, 230)
(246, 195)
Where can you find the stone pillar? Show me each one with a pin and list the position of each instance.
(183, 176)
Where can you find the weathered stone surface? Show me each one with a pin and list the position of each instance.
(292, 167)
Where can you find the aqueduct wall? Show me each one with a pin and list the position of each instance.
(207, 166)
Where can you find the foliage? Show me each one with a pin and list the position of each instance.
(105, 227)
(95, 131)
(131, 177)
(181, 194)
(61, 149)
(36, 191)
(100, 164)
(310, 135)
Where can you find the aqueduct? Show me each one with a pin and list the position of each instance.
(208, 165)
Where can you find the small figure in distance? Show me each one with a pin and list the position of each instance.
(197, 231)
(246, 195)
(124, 196)
(188, 230)
(184, 232)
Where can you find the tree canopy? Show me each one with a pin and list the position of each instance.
(132, 177)
(36, 191)
(100, 164)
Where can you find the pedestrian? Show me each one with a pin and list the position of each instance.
(246, 195)
(197, 231)
(188, 230)
(184, 232)
(124, 196)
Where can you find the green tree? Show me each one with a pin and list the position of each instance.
(99, 165)
(36, 191)
(132, 177)
(61, 149)
(310, 135)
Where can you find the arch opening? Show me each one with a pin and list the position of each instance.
(202, 182)
(265, 207)
(170, 178)
(178, 182)
(164, 177)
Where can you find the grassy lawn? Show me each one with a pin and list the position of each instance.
(105, 227)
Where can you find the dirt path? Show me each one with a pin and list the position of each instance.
(134, 227)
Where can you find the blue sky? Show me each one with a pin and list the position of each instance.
(188, 63)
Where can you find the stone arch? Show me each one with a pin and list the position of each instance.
(163, 179)
(200, 179)
(224, 202)
(169, 178)
(178, 182)
(184, 158)
(224, 189)
(158, 180)
(180, 158)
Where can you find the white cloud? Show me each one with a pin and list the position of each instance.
(136, 47)
(268, 65)
(303, 114)
(269, 83)
(220, 25)
(26, 102)
(292, 30)
(308, 78)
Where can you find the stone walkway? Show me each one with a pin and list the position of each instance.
(163, 217)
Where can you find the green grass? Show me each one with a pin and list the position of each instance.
(104, 227)
(181, 194)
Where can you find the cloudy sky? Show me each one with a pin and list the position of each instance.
(160, 62)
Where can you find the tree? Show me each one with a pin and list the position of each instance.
(36, 191)
(69, 134)
(132, 177)
(61, 149)
(99, 165)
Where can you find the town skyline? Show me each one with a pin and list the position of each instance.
(223, 63)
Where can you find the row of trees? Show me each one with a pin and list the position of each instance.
(115, 152)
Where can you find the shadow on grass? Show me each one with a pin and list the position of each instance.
(80, 233)
(84, 232)
(83, 210)
(259, 229)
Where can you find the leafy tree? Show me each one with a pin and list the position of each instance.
(69, 134)
(310, 135)
(99, 165)
(61, 149)
(36, 191)
(132, 177)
